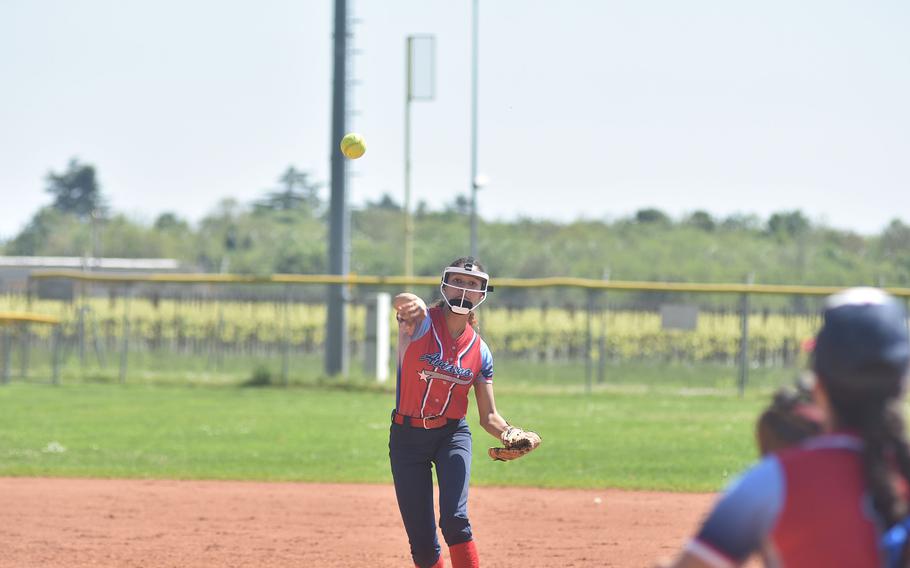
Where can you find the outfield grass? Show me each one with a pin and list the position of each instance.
(642, 438)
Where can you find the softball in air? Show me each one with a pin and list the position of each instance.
(353, 146)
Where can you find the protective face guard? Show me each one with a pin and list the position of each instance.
(462, 305)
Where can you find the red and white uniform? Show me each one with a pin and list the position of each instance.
(435, 372)
(802, 507)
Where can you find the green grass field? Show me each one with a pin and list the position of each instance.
(621, 435)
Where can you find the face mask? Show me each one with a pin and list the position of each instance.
(460, 304)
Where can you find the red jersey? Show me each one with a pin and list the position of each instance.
(435, 372)
(803, 507)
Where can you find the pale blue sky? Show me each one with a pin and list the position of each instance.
(590, 108)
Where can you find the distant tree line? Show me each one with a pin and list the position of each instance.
(285, 231)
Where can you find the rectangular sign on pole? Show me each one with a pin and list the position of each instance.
(678, 316)
(421, 86)
(421, 68)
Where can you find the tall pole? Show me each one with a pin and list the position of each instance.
(415, 90)
(474, 245)
(336, 360)
(408, 220)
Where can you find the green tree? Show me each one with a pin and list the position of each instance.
(32, 239)
(76, 190)
(461, 205)
(652, 216)
(52, 233)
(741, 222)
(895, 240)
(385, 203)
(297, 191)
(169, 221)
(789, 224)
(701, 220)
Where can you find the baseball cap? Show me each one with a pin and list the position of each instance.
(863, 345)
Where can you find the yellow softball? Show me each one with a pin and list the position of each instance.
(353, 146)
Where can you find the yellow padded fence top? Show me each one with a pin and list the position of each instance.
(26, 317)
(355, 279)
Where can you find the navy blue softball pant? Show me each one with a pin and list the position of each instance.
(411, 452)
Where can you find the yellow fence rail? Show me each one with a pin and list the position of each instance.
(10, 318)
(25, 317)
(359, 280)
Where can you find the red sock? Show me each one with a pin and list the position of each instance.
(464, 555)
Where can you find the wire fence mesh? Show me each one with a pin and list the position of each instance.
(551, 336)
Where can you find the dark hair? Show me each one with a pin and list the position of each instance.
(861, 357)
(791, 417)
(461, 261)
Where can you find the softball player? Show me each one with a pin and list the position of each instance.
(440, 357)
(827, 501)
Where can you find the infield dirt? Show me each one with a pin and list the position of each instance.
(157, 524)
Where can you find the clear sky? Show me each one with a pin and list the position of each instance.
(588, 108)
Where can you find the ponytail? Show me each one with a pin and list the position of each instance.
(900, 450)
(885, 452)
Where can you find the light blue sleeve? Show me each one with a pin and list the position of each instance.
(746, 513)
(486, 363)
(423, 328)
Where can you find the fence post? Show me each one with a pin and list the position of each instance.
(376, 336)
(96, 342)
(25, 331)
(81, 331)
(125, 345)
(285, 340)
(744, 340)
(602, 347)
(219, 342)
(55, 353)
(589, 340)
(26, 335)
(7, 351)
(602, 344)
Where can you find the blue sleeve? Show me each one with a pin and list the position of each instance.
(423, 328)
(745, 515)
(486, 362)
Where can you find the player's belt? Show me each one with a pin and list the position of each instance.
(426, 423)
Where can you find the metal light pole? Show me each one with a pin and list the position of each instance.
(474, 129)
(336, 344)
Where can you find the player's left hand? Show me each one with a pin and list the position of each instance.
(517, 443)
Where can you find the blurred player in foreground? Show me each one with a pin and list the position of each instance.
(440, 357)
(827, 501)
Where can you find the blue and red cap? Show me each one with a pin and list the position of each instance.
(863, 347)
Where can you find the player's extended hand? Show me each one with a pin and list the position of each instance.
(517, 443)
(410, 311)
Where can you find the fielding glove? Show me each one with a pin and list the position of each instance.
(517, 443)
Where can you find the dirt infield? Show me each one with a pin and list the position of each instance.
(156, 524)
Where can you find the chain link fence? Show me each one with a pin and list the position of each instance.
(553, 334)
